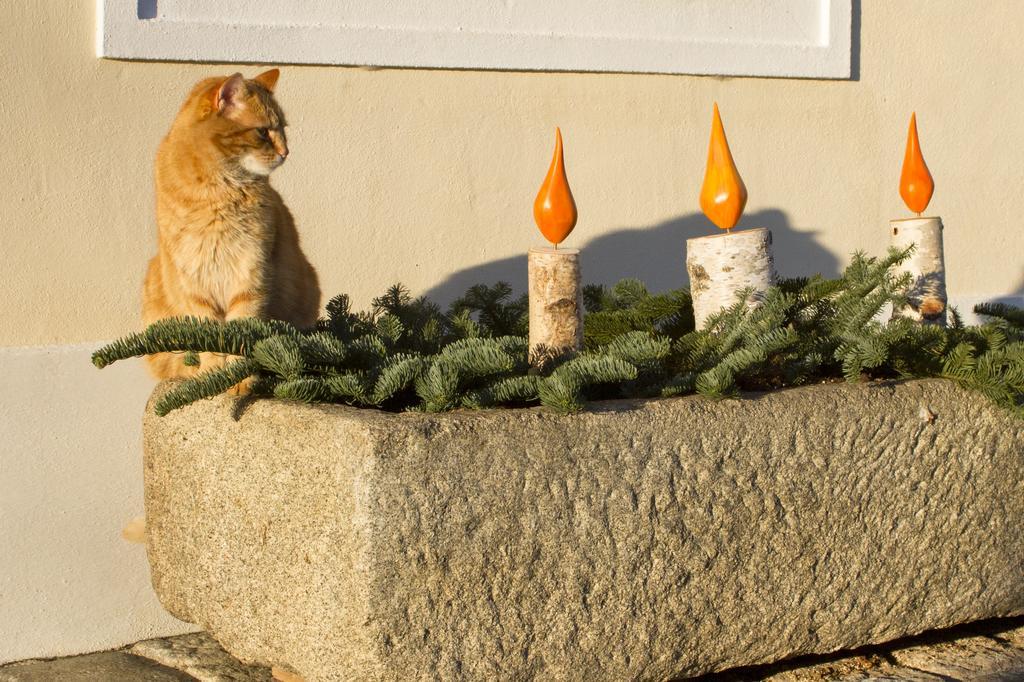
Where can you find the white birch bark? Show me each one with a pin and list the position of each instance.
(927, 265)
(722, 265)
(556, 313)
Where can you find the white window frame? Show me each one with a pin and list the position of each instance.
(121, 34)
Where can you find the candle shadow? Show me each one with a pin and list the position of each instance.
(656, 255)
(1014, 298)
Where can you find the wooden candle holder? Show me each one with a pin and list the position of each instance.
(722, 265)
(556, 316)
(927, 297)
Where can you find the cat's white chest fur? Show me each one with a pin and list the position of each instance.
(224, 259)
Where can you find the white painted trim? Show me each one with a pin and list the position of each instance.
(490, 44)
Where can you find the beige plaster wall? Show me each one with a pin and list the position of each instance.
(70, 477)
(417, 175)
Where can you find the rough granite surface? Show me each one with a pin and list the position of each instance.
(640, 540)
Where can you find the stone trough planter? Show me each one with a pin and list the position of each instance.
(641, 540)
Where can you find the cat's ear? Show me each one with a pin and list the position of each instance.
(268, 79)
(229, 95)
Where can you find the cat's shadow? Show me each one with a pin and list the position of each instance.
(655, 255)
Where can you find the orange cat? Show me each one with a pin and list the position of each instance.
(228, 247)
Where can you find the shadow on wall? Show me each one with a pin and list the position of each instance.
(655, 255)
(1014, 298)
(855, 41)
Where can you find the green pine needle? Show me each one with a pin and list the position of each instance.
(405, 354)
(206, 385)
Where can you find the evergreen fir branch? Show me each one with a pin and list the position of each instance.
(793, 285)
(390, 330)
(516, 346)
(956, 320)
(479, 361)
(405, 354)
(510, 390)
(408, 325)
(913, 349)
(721, 380)
(456, 368)
(280, 355)
(859, 354)
(393, 300)
(463, 325)
(729, 325)
(353, 387)
(544, 359)
(998, 373)
(561, 392)
(629, 292)
(680, 384)
(342, 322)
(206, 385)
(470, 342)
(601, 328)
(366, 352)
(304, 389)
(563, 389)
(960, 364)
(595, 298)
(1013, 315)
(628, 307)
(639, 349)
(322, 349)
(438, 388)
(497, 313)
(339, 317)
(400, 372)
(430, 336)
(178, 334)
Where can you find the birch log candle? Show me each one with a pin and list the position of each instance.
(720, 266)
(927, 296)
(556, 316)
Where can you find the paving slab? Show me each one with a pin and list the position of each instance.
(987, 652)
(199, 655)
(106, 666)
(991, 651)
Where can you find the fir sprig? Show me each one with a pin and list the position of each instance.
(406, 354)
(206, 385)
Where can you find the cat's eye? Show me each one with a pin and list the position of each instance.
(264, 134)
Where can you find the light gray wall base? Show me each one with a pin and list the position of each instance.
(640, 540)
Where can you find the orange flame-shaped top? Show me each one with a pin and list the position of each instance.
(916, 184)
(723, 195)
(554, 209)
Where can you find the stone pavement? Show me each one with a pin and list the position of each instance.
(992, 651)
(106, 665)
